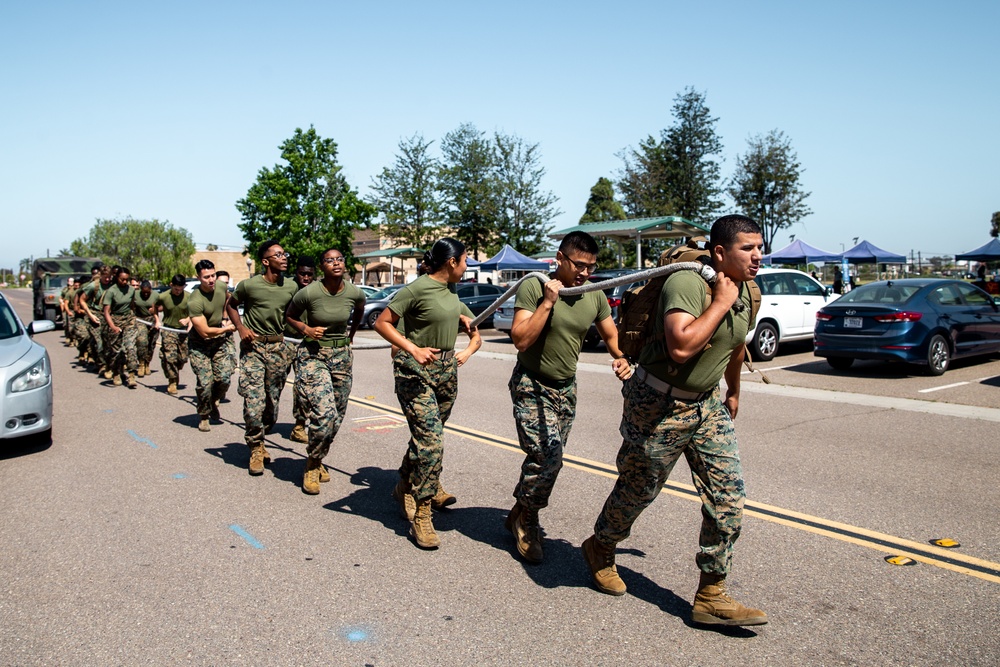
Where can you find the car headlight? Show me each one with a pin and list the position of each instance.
(33, 378)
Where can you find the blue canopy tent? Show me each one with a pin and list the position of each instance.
(869, 253)
(509, 259)
(800, 252)
(984, 253)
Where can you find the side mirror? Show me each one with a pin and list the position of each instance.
(40, 326)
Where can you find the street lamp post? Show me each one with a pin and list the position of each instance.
(249, 267)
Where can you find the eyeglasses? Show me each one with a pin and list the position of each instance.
(583, 266)
(333, 260)
(286, 255)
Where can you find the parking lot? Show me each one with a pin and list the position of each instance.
(135, 539)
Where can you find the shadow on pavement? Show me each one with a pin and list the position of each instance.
(372, 499)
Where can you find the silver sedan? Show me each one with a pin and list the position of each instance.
(26, 377)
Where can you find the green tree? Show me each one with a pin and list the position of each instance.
(306, 203)
(766, 184)
(468, 189)
(523, 209)
(602, 207)
(407, 195)
(151, 249)
(995, 225)
(680, 173)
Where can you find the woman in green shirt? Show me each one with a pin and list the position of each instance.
(426, 372)
(324, 362)
(118, 315)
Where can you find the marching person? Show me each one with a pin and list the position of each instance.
(65, 297)
(172, 313)
(548, 332)
(81, 324)
(120, 321)
(327, 314)
(305, 273)
(144, 307)
(426, 373)
(673, 407)
(222, 281)
(91, 295)
(263, 355)
(211, 358)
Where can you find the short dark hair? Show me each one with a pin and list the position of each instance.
(120, 270)
(308, 262)
(222, 272)
(264, 247)
(725, 229)
(580, 242)
(202, 265)
(144, 284)
(179, 280)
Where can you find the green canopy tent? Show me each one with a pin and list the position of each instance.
(637, 230)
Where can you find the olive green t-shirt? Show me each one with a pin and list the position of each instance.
(175, 308)
(141, 306)
(70, 297)
(264, 304)
(429, 309)
(332, 311)
(685, 290)
(119, 299)
(212, 306)
(94, 291)
(557, 350)
(289, 331)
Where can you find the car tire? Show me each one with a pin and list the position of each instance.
(840, 363)
(938, 355)
(372, 316)
(765, 342)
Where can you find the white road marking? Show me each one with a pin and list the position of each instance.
(944, 386)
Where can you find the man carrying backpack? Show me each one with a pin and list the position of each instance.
(548, 332)
(673, 406)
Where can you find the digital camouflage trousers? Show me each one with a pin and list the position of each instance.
(543, 415)
(145, 342)
(121, 357)
(263, 371)
(213, 365)
(298, 412)
(426, 394)
(656, 431)
(173, 354)
(323, 382)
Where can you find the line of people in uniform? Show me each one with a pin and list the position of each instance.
(672, 403)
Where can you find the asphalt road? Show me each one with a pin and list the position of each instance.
(134, 539)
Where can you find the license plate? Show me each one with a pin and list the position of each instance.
(852, 322)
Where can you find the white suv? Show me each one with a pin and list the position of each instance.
(789, 301)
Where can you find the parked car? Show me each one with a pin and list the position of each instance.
(368, 290)
(377, 302)
(26, 377)
(922, 321)
(478, 297)
(789, 301)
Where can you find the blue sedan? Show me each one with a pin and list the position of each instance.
(921, 321)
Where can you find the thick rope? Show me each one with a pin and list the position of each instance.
(288, 339)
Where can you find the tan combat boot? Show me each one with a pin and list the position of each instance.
(601, 560)
(172, 388)
(131, 380)
(257, 460)
(310, 480)
(522, 522)
(421, 527)
(324, 474)
(204, 426)
(108, 374)
(442, 498)
(265, 454)
(712, 606)
(299, 433)
(139, 371)
(116, 379)
(407, 505)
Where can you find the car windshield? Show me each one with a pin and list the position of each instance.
(8, 322)
(887, 293)
(384, 292)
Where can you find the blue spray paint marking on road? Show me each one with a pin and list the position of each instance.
(109, 411)
(250, 539)
(142, 440)
(355, 634)
(179, 475)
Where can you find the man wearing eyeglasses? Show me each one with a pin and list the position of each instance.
(305, 273)
(548, 332)
(263, 354)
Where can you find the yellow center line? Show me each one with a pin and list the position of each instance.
(925, 553)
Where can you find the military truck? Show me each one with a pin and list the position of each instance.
(48, 277)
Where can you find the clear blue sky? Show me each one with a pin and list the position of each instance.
(168, 111)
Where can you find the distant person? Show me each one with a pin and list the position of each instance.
(838, 283)
(211, 358)
(981, 272)
(305, 273)
(174, 344)
(815, 277)
(144, 307)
